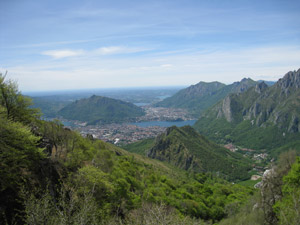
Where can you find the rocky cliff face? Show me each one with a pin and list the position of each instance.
(279, 104)
(289, 81)
(226, 109)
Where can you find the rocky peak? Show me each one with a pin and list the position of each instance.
(243, 85)
(259, 88)
(290, 80)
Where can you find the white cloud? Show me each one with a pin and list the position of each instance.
(111, 50)
(166, 65)
(58, 54)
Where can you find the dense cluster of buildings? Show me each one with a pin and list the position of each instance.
(164, 114)
(120, 134)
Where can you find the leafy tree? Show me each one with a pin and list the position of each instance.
(288, 208)
(15, 105)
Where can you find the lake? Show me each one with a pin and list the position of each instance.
(165, 123)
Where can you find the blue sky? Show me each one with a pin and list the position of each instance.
(57, 45)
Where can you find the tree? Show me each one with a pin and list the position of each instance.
(288, 208)
(16, 106)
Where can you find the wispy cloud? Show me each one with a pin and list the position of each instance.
(58, 54)
(111, 50)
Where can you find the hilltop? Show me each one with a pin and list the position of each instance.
(263, 117)
(201, 96)
(97, 109)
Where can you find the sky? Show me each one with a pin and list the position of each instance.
(66, 45)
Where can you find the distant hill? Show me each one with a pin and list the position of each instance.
(201, 96)
(188, 150)
(97, 109)
(261, 118)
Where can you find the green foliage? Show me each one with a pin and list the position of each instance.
(140, 147)
(250, 213)
(68, 207)
(14, 105)
(249, 183)
(98, 109)
(288, 208)
(18, 152)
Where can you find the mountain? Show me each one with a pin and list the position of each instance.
(201, 96)
(263, 117)
(188, 150)
(97, 109)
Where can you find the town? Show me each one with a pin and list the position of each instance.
(121, 134)
(126, 133)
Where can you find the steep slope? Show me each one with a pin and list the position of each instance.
(97, 109)
(263, 117)
(201, 96)
(186, 149)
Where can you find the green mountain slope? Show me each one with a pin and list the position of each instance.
(98, 109)
(201, 96)
(140, 147)
(186, 149)
(261, 118)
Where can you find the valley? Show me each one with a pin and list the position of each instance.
(147, 154)
(150, 112)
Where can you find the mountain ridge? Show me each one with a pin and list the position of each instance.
(199, 97)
